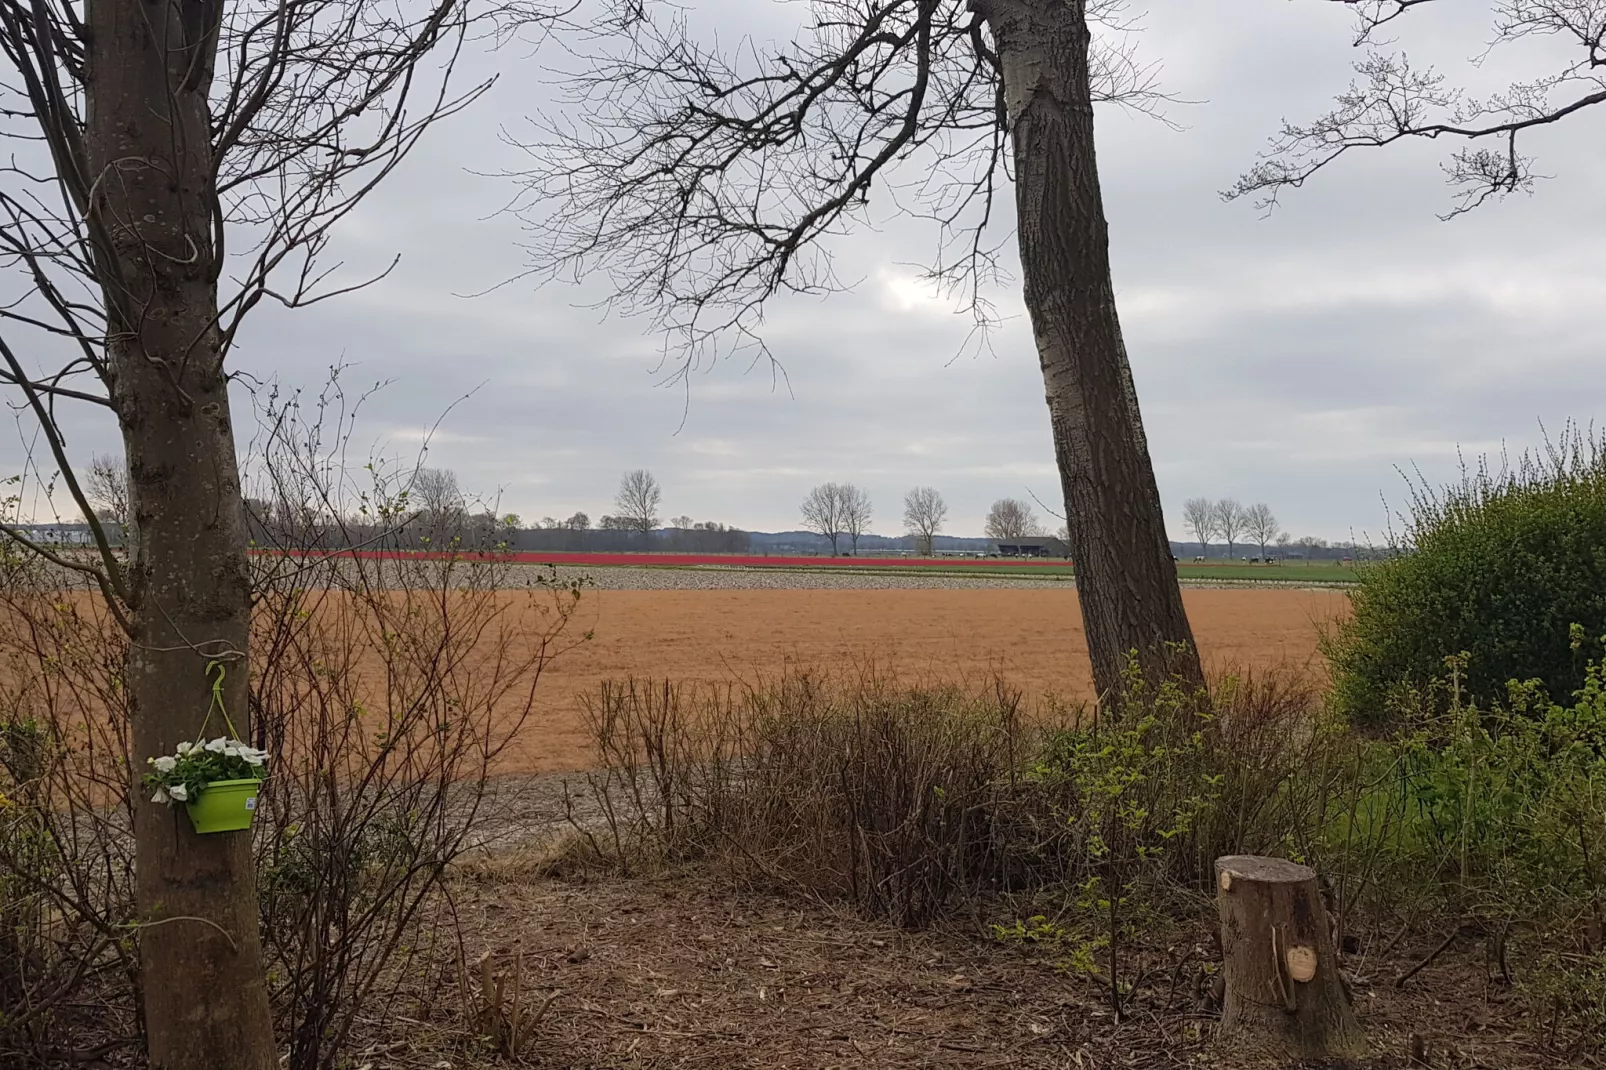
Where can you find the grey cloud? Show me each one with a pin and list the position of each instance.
(1298, 359)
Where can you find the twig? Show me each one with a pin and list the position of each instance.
(1425, 963)
(184, 917)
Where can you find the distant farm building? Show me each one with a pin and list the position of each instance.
(1031, 546)
(58, 534)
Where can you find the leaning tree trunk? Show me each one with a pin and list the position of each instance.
(1285, 998)
(1126, 577)
(153, 213)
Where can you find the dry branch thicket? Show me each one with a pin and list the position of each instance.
(386, 690)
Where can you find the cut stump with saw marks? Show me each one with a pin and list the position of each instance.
(1284, 994)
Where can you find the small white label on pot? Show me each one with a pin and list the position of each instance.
(251, 803)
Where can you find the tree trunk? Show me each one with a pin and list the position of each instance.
(1284, 996)
(1126, 578)
(149, 151)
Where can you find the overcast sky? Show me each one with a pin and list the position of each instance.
(1297, 359)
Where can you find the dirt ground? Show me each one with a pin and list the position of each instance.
(1032, 638)
(676, 972)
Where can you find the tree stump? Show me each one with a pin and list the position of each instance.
(1284, 995)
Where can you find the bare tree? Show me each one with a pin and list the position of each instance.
(1011, 518)
(106, 486)
(702, 183)
(578, 522)
(1229, 518)
(1200, 515)
(175, 163)
(924, 512)
(440, 505)
(856, 512)
(1260, 524)
(637, 500)
(436, 490)
(683, 523)
(1393, 100)
(824, 512)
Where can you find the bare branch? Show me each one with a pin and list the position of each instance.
(110, 575)
(1373, 14)
(703, 182)
(1393, 100)
(113, 603)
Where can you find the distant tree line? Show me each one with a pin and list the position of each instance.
(837, 511)
(1235, 524)
(433, 512)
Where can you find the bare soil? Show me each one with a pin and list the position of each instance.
(675, 971)
(1033, 639)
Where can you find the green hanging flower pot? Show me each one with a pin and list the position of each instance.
(224, 806)
(217, 782)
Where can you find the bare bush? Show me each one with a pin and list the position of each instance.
(68, 969)
(388, 689)
(862, 788)
(914, 801)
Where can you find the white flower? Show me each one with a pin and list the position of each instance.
(216, 746)
(160, 796)
(183, 748)
(179, 792)
(231, 751)
(253, 757)
(164, 764)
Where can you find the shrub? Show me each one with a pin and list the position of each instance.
(1496, 821)
(1498, 566)
(915, 800)
(860, 789)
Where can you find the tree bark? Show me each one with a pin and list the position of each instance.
(1126, 577)
(1285, 998)
(148, 144)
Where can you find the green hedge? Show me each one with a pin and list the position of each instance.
(1499, 567)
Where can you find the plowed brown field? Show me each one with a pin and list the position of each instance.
(1033, 638)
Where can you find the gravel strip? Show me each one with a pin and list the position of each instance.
(704, 578)
(784, 579)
